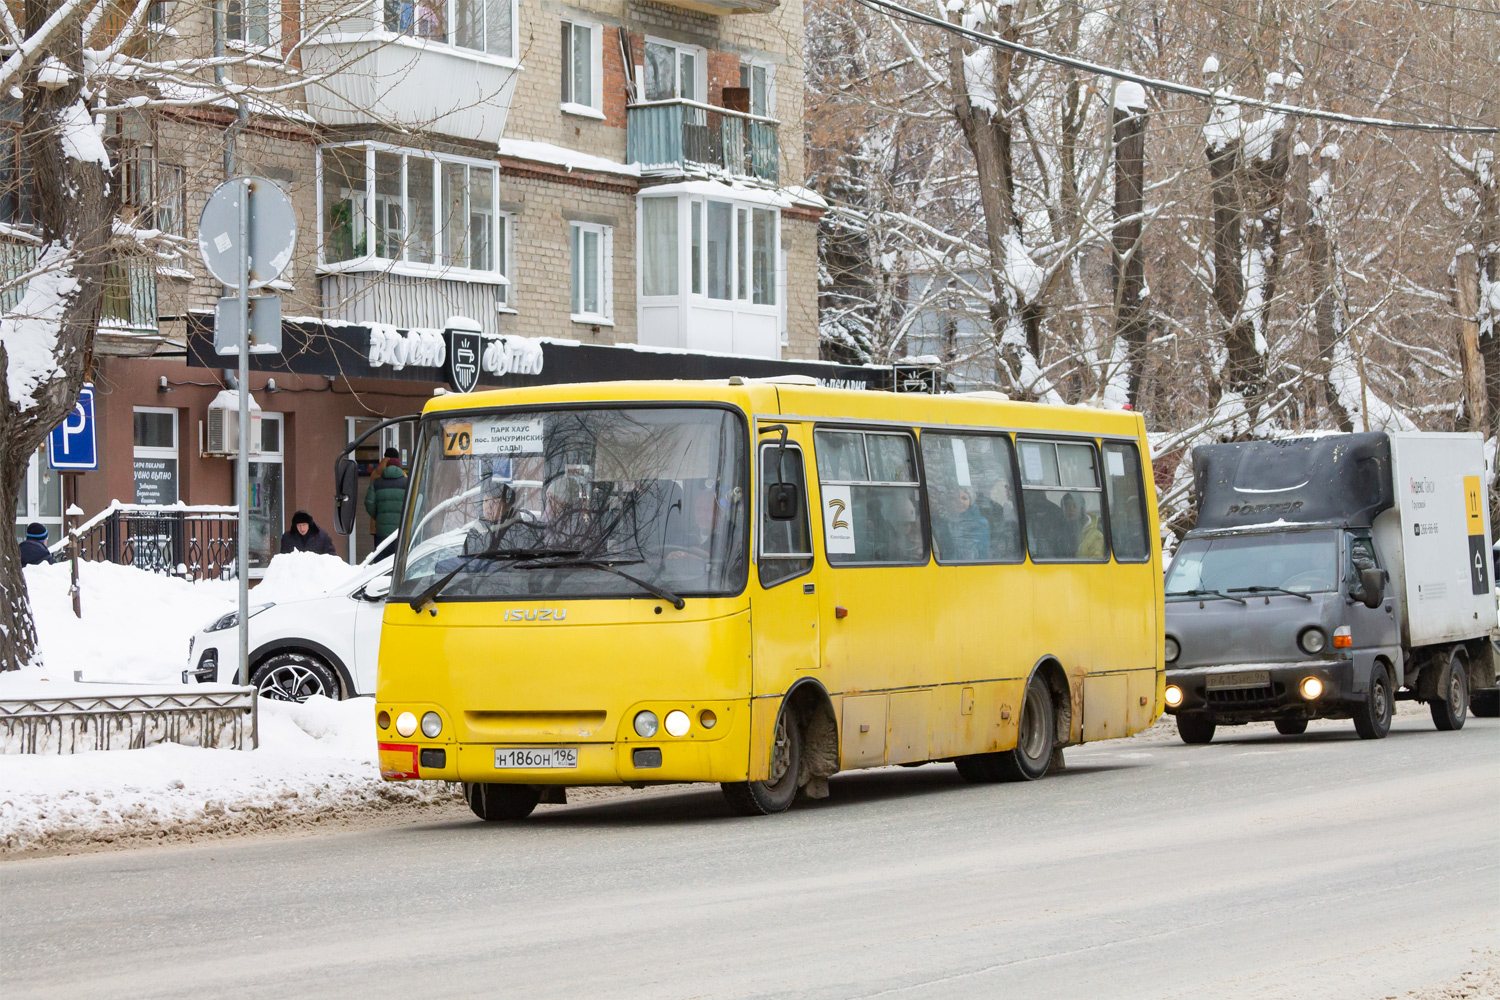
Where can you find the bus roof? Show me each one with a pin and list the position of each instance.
(781, 399)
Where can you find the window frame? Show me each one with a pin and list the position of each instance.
(1140, 471)
(274, 14)
(173, 452)
(693, 284)
(594, 106)
(1015, 485)
(747, 80)
(811, 555)
(445, 42)
(371, 259)
(700, 68)
(1092, 443)
(605, 316)
(864, 430)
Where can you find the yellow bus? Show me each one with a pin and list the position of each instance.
(761, 583)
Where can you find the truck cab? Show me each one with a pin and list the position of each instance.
(1291, 599)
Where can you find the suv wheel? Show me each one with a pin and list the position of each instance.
(294, 677)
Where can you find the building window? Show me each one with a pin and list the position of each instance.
(478, 25)
(253, 22)
(659, 263)
(155, 457)
(732, 250)
(582, 81)
(40, 498)
(592, 254)
(436, 212)
(763, 244)
(757, 79)
(674, 71)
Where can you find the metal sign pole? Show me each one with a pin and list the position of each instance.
(242, 462)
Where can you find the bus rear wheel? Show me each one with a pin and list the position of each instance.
(1035, 736)
(775, 794)
(501, 803)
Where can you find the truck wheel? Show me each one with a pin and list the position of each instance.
(1450, 710)
(1291, 727)
(1372, 719)
(1195, 728)
(500, 803)
(1485, 704)
(774, 795)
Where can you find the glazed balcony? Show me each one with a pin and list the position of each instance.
(681, 136)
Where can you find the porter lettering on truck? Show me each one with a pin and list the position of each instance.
(1319, 593)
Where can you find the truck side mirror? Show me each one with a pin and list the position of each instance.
(1372, 587)
(345, 492)
(781, 501)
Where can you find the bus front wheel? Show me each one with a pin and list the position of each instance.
(499, 803)
(1035, 737)
(775, 794)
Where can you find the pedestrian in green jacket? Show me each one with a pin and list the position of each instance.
(386, 496)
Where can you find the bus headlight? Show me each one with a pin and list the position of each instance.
(1312, 639)
(1173, 650)
(645, 724)
(406, 723)
(1173, 695)
(432, 724)
(677, 723)
(1311, 688)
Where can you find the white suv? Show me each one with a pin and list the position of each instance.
(324, 645)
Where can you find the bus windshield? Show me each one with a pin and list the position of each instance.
(1301, 561)
(537, 503)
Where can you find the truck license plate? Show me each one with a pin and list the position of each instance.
(1240, 679)
(531, 757)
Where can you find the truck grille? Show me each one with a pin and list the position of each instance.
(1245, 699)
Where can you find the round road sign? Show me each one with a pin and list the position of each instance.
(272, 230)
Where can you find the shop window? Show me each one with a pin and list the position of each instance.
(265, 502)
(1127, 505)
(591, 269)
(1062, 500)
(486, 26)
(971, 498)
(155, 465)
(582, 90)
(871, 498)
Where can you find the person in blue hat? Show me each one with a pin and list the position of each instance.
(34, 548)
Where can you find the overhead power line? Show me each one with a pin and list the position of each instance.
(1170, 86)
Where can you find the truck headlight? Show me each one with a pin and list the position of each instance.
(1173, 695)
(1311, 688)
(1312, 639)
(1173, 650)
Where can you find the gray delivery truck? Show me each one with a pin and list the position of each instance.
(1329, 576)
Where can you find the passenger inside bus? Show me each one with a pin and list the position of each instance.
(1084, 535)
(961, 532)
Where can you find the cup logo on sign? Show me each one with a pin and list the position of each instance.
(463, 360)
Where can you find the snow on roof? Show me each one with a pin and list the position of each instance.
(562, 156)
(755, 194)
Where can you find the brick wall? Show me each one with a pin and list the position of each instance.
(799, 237)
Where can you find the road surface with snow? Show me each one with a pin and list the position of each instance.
(1259, 866)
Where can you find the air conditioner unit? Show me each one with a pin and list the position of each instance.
(223, 425)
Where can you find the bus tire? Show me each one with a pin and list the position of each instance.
(1450, 709)
(1291, 727)
(1196, 729)
(1485, 704)
(501, 803)
(1036, 732)
(763, 798)
(1372, 719)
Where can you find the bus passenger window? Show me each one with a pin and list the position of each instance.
(1127, 508)
(785, 546)
(872, 500)
(1062, 497)
(971, 499)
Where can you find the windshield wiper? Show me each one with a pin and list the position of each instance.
(654, 589)
(1206, 593)
(1269, 590)
(431, 593)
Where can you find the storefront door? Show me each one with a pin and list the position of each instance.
(266, 516)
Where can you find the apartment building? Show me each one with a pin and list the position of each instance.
(592, 189)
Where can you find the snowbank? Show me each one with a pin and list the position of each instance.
(316, 762)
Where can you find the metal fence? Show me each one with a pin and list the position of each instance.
(225, 719)
(682, 133)
(196, 543)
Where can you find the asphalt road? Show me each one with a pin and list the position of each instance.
(1261, 866)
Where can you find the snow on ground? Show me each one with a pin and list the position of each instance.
(316, 762)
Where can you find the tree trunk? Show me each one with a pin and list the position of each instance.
(1466, 302)
(1128, 265)
(75, 207)
(1228, 253)
(1323, 277)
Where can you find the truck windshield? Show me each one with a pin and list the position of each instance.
(1301, 561)
(525, 504)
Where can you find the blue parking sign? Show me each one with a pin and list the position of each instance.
(71, 444)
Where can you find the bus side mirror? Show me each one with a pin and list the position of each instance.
(1372, 587)
(781, 501)
(345, 492)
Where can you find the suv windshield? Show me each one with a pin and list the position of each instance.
(659, 492)
(1301, 561)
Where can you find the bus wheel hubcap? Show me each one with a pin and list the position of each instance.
(1032, 734)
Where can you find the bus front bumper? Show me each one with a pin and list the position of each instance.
(1261, 692)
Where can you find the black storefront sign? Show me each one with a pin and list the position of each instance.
(339, 349)
(463, 359)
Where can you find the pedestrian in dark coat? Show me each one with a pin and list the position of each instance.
(386, 496)
(305, 536)
(34, 548)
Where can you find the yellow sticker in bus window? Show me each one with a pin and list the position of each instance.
(458, 439)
